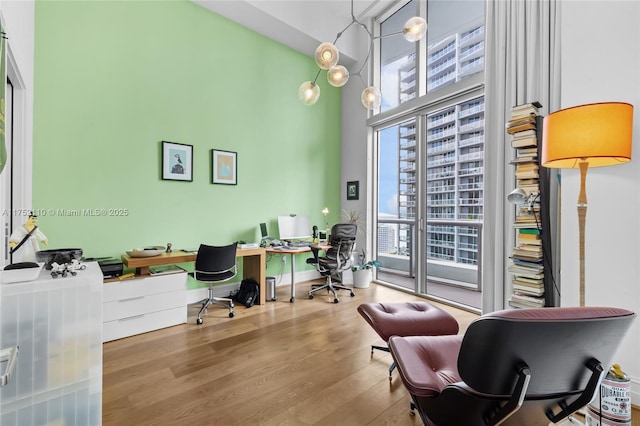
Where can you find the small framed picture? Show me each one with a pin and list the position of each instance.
(224, 167)
(177, 161)
(353, 190)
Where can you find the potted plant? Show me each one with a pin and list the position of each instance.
(362, 271)
(353, 216)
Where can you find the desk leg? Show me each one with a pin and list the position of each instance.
(293, 278)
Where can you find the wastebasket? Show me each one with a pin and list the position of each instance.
(271, 289)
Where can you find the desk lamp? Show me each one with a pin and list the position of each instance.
(518, 197)
(325, 212)
(592, 135)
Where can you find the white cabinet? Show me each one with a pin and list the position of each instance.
(144, 304)
(57, 325)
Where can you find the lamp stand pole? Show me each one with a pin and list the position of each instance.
(582, 218)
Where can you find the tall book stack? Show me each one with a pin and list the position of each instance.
(526, 261)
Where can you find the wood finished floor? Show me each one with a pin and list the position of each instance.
(306, 363)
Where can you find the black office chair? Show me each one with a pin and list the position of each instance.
(337, 258)
(215, 264)
(518, 367)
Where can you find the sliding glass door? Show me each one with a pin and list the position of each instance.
(397, 203)
(429, 202)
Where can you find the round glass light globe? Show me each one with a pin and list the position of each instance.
(371, 98)
(327, 55)
(338, 76)
(414, 29)
(309, 93)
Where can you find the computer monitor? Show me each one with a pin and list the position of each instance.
(263, 230)
(294, 227)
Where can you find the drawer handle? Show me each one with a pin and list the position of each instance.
(9, 355)
(131, 298)
(131, 318)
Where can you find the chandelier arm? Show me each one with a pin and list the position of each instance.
(317, 75)
(366, 59)
(343, 30)
(361, 79)
(388, 35)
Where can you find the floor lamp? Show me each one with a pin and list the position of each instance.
(593, 135)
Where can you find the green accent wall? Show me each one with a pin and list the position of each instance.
(114, 79)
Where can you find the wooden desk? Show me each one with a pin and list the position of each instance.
(253, 264)
(292, 253)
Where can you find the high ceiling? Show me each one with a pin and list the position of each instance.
(303, 24)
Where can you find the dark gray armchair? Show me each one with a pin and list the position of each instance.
(337, 258)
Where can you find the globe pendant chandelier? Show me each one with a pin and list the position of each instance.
(327, 56)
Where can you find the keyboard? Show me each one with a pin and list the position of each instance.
(289, 248)
(296, 244)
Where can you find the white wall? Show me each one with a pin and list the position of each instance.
(601, 62)
(18, 18)
(355, 155)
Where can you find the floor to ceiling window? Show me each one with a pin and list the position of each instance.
(430, 152)
(6, 177)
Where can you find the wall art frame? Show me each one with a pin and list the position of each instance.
(224, 167)
(353, 190)
(177, 161)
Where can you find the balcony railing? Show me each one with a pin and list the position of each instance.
(446, 119)
(470, 201)
(472, 140)
(471, 171)
(473, 125)
(436, 249)
(470, 111)
(440, 133)
(440, 188)
(440, 161)
(471, 156)
(438, 148)
(470, 186)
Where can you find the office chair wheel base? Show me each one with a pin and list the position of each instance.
(310, 296)
(292, 300)
(232, 314)
(199, 321)
(353, 294)
(336, 300)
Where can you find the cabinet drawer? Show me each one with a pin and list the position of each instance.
(144, 286)
(143, 323)
(143, 304)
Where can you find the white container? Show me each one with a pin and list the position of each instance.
(20, 275)
(271, 289)
(362, 278)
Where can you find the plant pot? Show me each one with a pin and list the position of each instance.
(347, 277)
(362, 278)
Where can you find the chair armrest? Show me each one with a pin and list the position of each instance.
(314, 251)
(426, 364)
(597, 374)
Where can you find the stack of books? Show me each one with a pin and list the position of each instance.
(526, 262)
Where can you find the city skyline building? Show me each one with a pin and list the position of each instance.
(454, 153)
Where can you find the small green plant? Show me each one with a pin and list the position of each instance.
(353, 216)
(363, 263)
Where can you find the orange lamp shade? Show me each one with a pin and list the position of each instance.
(600, 134)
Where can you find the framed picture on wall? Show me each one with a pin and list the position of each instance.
(177, 161)
(224, 167)
(353, 190)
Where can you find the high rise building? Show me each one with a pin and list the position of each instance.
(455, 147)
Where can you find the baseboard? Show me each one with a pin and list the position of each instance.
(635, 392)
(224, 290)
